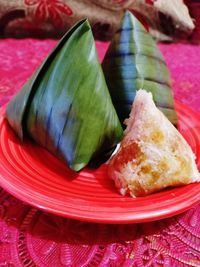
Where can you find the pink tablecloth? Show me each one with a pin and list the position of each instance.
(30, 237)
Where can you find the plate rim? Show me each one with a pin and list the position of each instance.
(152, 216)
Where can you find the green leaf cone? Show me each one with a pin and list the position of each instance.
(133, 61)
(66, 106)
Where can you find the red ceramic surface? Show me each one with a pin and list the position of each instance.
(33, 175)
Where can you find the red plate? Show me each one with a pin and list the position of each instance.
(33, 175)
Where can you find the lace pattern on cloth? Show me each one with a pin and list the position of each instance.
(30, 237)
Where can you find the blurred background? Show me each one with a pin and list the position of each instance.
(166, 20)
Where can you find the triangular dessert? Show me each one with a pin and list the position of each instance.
(152, 155)
(66, 106)
(134, 61)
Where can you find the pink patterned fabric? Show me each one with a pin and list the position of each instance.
(30, 237)
(52, 18)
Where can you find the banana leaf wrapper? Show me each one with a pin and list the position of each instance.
(133, 61)
(66, 106)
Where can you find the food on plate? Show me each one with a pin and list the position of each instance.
(134, 61)
(66, 106)
(153, 154)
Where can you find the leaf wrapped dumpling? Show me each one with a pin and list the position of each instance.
(66, 106)
(133, 61)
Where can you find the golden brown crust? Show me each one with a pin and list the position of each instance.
(152, 155)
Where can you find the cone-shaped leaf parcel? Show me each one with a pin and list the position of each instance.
(134, 61)
(66, 106)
